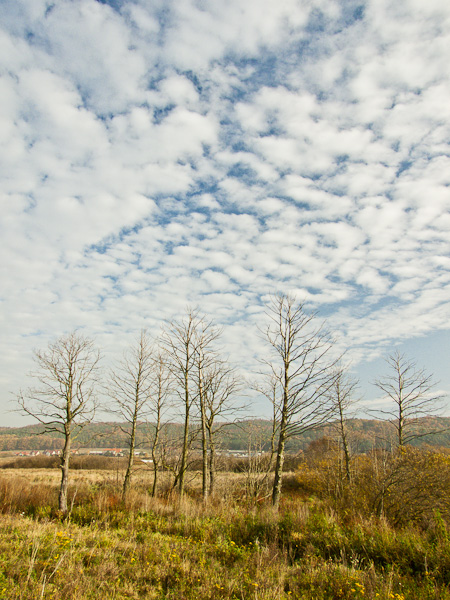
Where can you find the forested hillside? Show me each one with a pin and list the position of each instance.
(255, 434)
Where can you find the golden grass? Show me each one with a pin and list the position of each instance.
(232, 547)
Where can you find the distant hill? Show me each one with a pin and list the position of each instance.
(365, 434)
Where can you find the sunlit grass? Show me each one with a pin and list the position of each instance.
(231, 548)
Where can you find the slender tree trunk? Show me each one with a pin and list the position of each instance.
(65, 458)
(276, 492)
(155, 478)
(204, 438)
(348, 474)
(127, 479)
(212, 463)
(345, 446)
(272, 441)
(184, 451)
(154, 455)
(212, 471)
(184, 455)
(401, 420)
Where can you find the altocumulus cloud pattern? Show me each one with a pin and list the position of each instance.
(174, 152)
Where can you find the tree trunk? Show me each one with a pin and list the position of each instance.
(212, 465)
(204, 439)
(276, 492)
(345, 447)
(127, 479)
(348, 474)
(401, 422)
(155, 479)
(65, 458)
(277, 482)
(184, 451)
(154, 457)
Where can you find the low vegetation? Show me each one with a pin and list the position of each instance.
(384, 535)
(52, 462)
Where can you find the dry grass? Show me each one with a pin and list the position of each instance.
(233, 547)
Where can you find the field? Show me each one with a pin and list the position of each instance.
(233, 547)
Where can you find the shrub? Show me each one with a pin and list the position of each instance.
(33, 462)
(405, 487)
(88, 462)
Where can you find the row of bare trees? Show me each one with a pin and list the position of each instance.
(182, 371)
(185, 370)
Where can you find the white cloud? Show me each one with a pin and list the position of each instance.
(179, 90)
(214, 153)
(201, 33)
(106, 67)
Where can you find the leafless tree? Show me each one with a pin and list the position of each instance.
(158, 404)
(64, 400)
(130, 387)
(270, 388)
(343, 395)
(202, 407)
(188, 343)
(258, 462)
(411, 392)
(303, 366)
(221, 384)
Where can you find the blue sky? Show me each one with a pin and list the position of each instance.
(173, 153)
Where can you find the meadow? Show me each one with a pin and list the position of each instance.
(317, 546)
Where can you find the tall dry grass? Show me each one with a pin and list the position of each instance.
(235, 546)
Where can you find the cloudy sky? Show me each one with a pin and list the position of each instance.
(165, 153)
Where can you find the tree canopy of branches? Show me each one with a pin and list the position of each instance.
(410, 391)
(220, 387)
(304, 369)
(64, 399)
(188, 344)
(342, 395)
(159, 401)
(130, 387)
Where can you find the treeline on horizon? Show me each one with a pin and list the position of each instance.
(366, 434)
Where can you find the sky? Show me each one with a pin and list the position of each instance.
(174, 153)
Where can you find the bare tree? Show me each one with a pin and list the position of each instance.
(410, 391)
(263, 465)
(258, 463)
(158, 404)
(342, 394)
(202, 406)
(220, 387)
(130, 386)
(304, 369)
(187, 343)
(64, 400)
